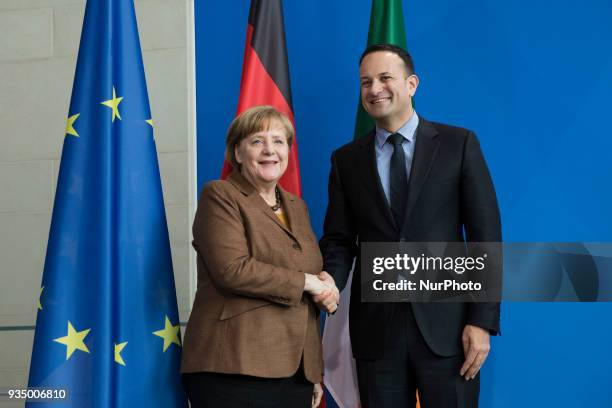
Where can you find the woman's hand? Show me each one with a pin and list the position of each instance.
(327, 299)
(314, 285)
(317, 395)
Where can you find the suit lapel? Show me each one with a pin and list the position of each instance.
(290, 207)
(370, 177)
(425, 151)
(270, 214)
(258, 202)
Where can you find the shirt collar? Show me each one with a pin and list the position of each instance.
(408, 130)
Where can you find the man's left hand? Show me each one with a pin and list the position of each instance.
(476, 348)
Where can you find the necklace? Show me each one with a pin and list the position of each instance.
(276, 206)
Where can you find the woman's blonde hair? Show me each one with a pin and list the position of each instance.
(251, 121)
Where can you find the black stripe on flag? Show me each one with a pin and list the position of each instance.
(266, 18)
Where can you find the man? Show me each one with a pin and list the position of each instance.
(415, 181)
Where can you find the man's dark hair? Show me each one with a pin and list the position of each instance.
(399, 51)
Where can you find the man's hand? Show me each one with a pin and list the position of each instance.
(476, 348)
(328, 299)
(317, 394)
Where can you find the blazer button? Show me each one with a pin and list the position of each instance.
(297, 246)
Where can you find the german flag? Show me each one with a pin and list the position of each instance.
(265, 76)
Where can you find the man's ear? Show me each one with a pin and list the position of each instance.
(413, 84)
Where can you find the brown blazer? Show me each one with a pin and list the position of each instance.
(250, 315)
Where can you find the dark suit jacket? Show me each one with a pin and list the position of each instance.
(250, 315)
(450, 199)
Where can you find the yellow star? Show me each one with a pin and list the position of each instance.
(150, 122)
(114, 105)
(169, 333)
(118, 348)
(39, 296)
(73, 340)
(70, 125)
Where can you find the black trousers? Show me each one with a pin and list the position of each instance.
(215, 390)
(408, 364)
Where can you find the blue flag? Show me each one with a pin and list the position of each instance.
(107, 329)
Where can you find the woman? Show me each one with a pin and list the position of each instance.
(253, 335)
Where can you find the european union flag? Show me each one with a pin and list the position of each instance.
(107, 328)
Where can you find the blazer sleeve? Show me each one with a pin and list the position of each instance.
(482, 222)
(220, 239)
(339, 241)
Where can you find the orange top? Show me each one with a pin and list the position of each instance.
(283, 218)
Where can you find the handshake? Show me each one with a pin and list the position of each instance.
(323, 290)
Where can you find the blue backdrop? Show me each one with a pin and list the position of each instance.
(532, 78)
